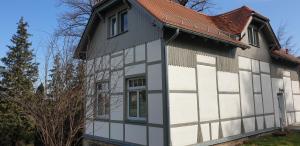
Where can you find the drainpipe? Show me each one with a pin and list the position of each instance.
(168, 125)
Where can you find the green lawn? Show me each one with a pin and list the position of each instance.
(292, 139)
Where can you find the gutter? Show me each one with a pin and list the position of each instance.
(166, 62)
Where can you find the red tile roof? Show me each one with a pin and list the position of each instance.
(176, 15)
(283, 54)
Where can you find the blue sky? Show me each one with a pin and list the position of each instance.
(42, 17)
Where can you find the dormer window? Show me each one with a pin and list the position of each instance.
(253, 36)
(113, 26)
(123, 22)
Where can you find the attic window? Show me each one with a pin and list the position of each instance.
(253, 36)
(123, 22)
(113, 26)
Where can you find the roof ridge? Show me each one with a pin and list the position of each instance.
(234, 10)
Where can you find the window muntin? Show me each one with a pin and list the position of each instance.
(123, 22)
(137, 99)
(113, 26)
(103, 100)
(253, 36)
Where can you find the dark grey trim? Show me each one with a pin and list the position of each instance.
(136, 75)
(218, 99)
(225, 92)
(247, 70)
(239, 80)
(135, 63)
(154, 62)
(265, 73)
(207, 64)
(109, 141)
(296, 93)
(184, 124)
(199, 135)
(154, 91)
(253, 94)
(116, 55)
(262, 98)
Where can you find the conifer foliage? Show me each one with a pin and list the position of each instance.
(22, 73)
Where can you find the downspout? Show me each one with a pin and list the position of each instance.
(168, 125)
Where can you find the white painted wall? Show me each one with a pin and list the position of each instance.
(228, 82)
(116, 81)
(258, 104)
(249, 124)
(244, 63)
(256, 83)
(295, 87)
(205, 130)
(232, 101)
(288, 93)
(215, 130)
(116, 107)
(116, 131)
(101, 129)
(260, 122)
(183, 108)
(297, 102)
(140, 53)
(154, 77)
(276, 85)
(136, 134)
(135, 69)
(267, 93)
(247, 102)
(231, 128)
(154, 51)
(269, 121)
(117, 62)
(102, 63)
(182, 78)
(89, 127)
(207, 92)
(129, 55)
(155, 108)
(206, 59)
(182, 136)
(255, 66)
(156, 136)
(264, 67)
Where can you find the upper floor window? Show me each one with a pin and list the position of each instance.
(253, 36)
(118, 23)
(123, 21)
(137, 99)
(103, 103)
(113, 26)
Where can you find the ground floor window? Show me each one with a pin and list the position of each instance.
(137, 99)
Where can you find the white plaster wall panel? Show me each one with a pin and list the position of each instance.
(297, 117)
(244, 63)
(182, 78)
(229, 100)
(286, 73)
(89, 107)
(276, 85)
(207, 92)
(231, 128)
(206, 59)
(291, 118)
(156, 136)
(101, 129)
(264, 67)
(258, 104)
(288, 94)
(256, 83)
(260, 122)
(117, 62)
(103, 75)
(136, 134)
(246, 93)
(129, 55)
(155, 108)
(116, 81)
(182, 136)
(255, 66)
(140, 53)
(135, 69)
(295, 87)
(269, 121)
(215, 131)
(297, 102)
(89, 127)
(183, 108)
(102, 63)
(116, 131)
(205, 131)
(154, 51)
(228, 82)
(267, 93)
(90, 82)
(154, 77)
(116, 108)
(90, 67)
(249, 124)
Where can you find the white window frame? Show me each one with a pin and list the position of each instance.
(98, 93)
(137, 89)
(253, 38)
(120, 21)
(113, 27)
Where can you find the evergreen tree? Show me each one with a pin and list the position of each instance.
(22, 73)
(56, 74)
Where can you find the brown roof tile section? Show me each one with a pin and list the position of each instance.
(286, 56)
(233, 21)
(176, 15)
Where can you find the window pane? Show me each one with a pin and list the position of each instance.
(113, 26)
(142, 104)
(132, 104)
(106, 103)
(250, 36)
(101, 105)
(257, 38)
(124, 22)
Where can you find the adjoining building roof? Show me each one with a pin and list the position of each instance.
(283, 54)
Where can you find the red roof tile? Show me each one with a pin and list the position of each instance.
(284, 55)
(174, 14)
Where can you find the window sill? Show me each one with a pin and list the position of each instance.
(137, 121)
(110, 37)
(102, 118)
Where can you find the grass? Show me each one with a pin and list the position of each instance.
(292, 139)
